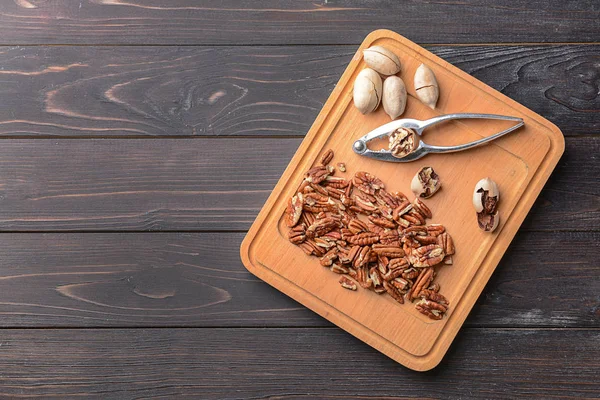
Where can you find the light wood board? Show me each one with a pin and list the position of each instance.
(520, 163)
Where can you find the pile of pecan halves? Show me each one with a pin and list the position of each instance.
(377, 238)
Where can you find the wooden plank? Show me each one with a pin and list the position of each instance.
(206, 184)
(231, 91)
(291, 363)
(158, 279)
(197, 279)
(297, 22)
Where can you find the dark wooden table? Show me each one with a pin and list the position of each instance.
(139, 139)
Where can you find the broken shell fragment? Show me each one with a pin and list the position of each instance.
(426, 86)
(367, 91)
(382, 60)
(394, 96)
(488, 222)
(485, 200)
(425, 183)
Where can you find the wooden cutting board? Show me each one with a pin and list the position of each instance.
(520, 163)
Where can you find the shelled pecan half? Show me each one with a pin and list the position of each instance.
(380, 239)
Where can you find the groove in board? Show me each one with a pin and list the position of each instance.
(293, 22)
(292, 364)
(233, 91)
(207, 184)
(197, 279)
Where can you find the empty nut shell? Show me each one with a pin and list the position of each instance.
(426, 86)
(367, 91)
(425, 183)
(394, 96)
(382, 60)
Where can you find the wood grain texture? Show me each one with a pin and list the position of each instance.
(197, 279)
(297, 22)
(260, 91)
(111, 279)
(291, 364)
(207, 184)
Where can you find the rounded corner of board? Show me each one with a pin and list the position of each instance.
(558, 139)
(424, 364)
(383, 33)
(245, 252)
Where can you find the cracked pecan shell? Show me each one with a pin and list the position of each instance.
(402, 142)
(425, 183)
